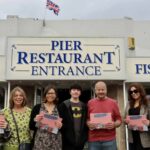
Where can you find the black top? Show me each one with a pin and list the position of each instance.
(135, 134)
(68, 128)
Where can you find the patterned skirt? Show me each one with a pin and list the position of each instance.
(45, 140)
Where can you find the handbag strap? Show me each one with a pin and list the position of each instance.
(15, 125)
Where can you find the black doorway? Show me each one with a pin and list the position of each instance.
(63, 94)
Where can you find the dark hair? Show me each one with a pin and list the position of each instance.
(47, 88)
(75, 86)
(139, 87)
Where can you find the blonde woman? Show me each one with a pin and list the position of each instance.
(21, 113)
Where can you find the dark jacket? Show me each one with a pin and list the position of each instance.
(32, 124)
(68, 134)
(35, 111)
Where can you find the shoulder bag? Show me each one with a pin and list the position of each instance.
(23, 145)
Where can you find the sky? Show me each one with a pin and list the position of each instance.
(77, 9)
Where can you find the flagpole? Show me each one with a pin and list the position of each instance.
(44, 14)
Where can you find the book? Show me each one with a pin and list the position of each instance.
(136, 122)
(2, 118)
(48, 122)
(100, 119)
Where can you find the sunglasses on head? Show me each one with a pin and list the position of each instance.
(134, 91)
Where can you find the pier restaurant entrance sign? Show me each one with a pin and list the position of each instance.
(65, 58)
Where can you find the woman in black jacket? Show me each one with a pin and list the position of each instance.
(45, 138)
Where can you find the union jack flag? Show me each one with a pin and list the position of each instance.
(52, 6)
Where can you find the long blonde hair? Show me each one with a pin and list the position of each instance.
(12, 94)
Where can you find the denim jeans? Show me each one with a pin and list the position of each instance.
(102, 145)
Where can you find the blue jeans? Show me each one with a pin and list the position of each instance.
(102, 145)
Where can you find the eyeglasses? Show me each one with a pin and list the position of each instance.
(51, 93)
(134, 91)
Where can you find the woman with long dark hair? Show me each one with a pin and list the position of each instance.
(44, 138)
(138, 105)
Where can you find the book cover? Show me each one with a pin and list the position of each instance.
(2, 118)
(100, 119)
(48, 122)
(136, 122)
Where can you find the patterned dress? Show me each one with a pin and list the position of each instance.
(45, 140)
(22, 119)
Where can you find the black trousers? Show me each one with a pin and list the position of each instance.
(136, 147)
(72, 147)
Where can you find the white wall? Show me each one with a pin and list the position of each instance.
(2, 45)
(122, 28)
(2, 68)
(142, 38)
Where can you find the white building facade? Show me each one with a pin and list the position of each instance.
(35, 53)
